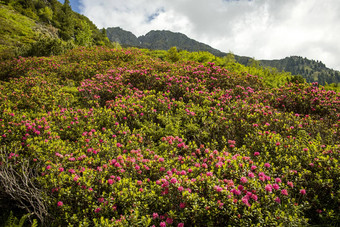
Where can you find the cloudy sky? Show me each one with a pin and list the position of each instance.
(263, 29)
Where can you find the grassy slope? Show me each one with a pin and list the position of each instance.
(16, 30)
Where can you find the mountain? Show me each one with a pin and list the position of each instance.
(312, 71)
(123, 37)
(164, 40)
(44, 27)
(159, 40)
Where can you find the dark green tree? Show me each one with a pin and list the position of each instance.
(104, 32)
(66, 21)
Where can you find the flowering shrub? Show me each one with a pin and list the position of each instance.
(117, 138)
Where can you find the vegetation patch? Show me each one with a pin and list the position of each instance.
(118, 137)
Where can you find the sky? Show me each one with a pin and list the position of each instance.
(262, 29)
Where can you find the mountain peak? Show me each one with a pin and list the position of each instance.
(159, 40)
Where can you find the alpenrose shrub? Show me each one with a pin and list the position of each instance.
(116, 138)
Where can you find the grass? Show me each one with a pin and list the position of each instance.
(16, 30)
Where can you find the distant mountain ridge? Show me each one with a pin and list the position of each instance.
(164, 40)
(311, 70)
(159, 40)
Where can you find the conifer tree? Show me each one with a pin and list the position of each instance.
(84, 35)
(67, 27)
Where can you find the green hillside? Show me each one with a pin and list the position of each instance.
(44, 27)
(16, 30)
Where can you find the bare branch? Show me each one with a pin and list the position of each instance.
(17, 182)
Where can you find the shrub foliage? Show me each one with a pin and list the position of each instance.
(119, 138)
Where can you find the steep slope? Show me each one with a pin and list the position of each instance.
(18, 30)
(53, 24)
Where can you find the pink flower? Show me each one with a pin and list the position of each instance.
(268, 188)
(303, 191)
(173, 181)
(209, 174)
(110, 181)
(97, 210)
(284, 192)
(71, 171)
(60, 203)
(243, 180)
(180, 188)
(182, 205)
(162, 224)
(289, 183)
(267, 165)
(251, 175)
(48, 167)
(155, 215)
(277, 180)
(169, 220)
(276, 186)
(240, 187)
(256, 153)
(278, 200)
(254, 197)
(235, 191)
(180, 224)
(253, 167)
(218, 188)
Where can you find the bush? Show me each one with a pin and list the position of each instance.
(101, 136)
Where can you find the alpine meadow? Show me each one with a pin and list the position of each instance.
(96, 134)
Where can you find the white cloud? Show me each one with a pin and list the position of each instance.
(264, 29)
